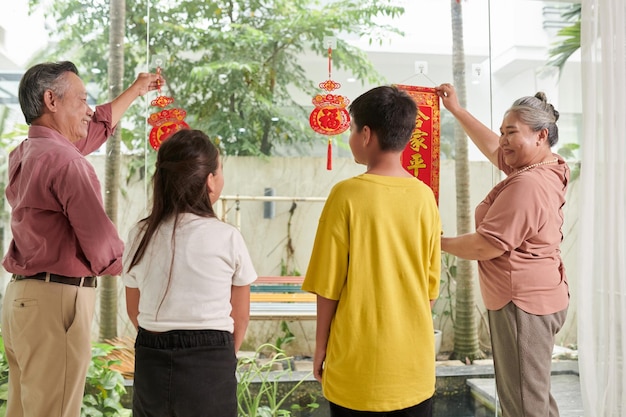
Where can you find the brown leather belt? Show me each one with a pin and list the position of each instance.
(60, 279)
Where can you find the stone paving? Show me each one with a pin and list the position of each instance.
(565, 389)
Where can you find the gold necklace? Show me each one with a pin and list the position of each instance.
(519, 171)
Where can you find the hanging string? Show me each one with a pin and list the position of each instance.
(329, 150)
(415, 75)
(330, 57)
(147, 111)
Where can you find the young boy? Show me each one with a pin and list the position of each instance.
(375, 269)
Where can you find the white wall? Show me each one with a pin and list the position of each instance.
(308, 177)
(297, 177)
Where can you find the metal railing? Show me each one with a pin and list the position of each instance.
(223, 210)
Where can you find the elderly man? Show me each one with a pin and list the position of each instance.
(62, 239)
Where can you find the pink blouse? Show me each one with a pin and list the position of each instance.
(523, 216)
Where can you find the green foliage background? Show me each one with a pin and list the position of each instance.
(233, 65)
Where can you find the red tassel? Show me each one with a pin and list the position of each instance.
(329, 155)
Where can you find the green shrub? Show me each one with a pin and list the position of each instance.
(104, 387)
(4, 379)
(258, 390)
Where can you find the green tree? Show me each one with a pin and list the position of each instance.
(233, 65)
(465, 328)
(570, 37)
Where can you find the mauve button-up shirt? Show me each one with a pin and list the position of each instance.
(58, 220)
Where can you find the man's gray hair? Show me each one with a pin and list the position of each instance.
(37, 80)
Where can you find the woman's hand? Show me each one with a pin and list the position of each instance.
(448, 96)
(487, 141)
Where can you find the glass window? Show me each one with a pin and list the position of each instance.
(506, 47)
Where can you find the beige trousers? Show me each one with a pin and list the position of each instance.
(47, 336)
(522, 346)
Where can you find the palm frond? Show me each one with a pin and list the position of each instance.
(569, 38)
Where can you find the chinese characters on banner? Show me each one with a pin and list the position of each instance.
(421, 155)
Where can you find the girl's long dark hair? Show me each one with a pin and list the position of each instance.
(184, 162)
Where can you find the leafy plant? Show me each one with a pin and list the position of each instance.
(4, 379)
(570, 37)
(568, 151)
(287, 336)
(444, 306)
(258, 392)
(104, 387)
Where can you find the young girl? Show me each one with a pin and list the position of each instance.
(187, 277)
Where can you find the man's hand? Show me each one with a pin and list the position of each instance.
(146, 82)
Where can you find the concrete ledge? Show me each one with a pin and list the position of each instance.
(456, 386)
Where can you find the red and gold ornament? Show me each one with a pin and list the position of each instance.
(165, 122)
(330, 116)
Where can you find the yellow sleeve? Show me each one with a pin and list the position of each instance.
(328, 265)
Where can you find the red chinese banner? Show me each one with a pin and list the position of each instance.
(421, 155)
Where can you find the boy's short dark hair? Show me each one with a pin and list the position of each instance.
(389, 112)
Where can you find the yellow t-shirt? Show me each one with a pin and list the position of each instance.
(377, 251)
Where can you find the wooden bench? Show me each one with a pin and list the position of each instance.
(281, 298)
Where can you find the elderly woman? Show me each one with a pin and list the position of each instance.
(516, 244)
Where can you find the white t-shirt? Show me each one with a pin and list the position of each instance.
(206, 258)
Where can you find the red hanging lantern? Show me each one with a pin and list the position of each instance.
(330, 116)
(165, 122)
